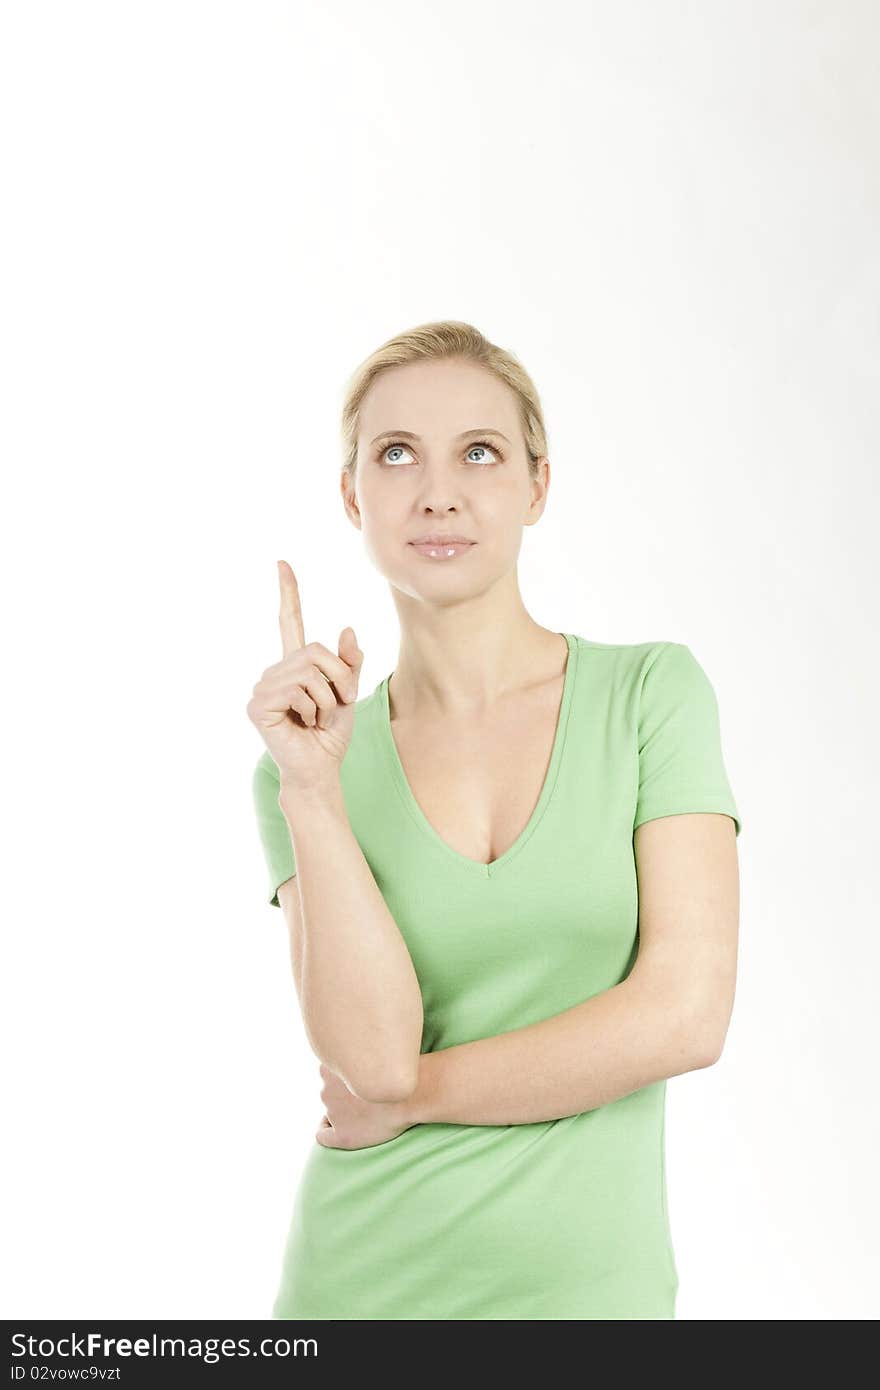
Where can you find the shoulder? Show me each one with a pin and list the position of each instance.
(648, 676)
(637, 659)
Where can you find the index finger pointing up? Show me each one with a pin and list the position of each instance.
(290, 613)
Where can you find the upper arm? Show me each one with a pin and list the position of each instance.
(688, 885)
(288, 896)
(279, 857)
(685, 828)
(272, 826)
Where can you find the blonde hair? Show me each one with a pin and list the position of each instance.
(445, 339)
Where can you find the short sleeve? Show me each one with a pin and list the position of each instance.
(681, 766)
(273, 829)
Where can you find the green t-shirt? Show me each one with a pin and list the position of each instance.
(562, 1219)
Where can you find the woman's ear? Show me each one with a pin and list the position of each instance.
(349, 498)
(539, 482)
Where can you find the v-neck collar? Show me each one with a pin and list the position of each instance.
(382, 725)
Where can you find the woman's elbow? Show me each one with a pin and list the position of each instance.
(707, 1031)
(387, 1087)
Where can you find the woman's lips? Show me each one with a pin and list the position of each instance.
(441, 550)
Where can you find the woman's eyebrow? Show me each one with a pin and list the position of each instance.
(408, 434)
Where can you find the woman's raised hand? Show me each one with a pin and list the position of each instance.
(303, 706)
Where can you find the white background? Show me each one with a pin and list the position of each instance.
(214, 212)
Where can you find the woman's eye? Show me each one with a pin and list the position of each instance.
(486, 448)
(392, 449)
(387, 454)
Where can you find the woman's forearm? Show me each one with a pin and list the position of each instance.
(359, 993)
(606, 1047)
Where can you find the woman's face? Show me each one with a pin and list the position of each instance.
(440, 451)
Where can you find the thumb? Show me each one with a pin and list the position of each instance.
(351, 653)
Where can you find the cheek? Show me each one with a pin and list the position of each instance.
(384, 510)
(502, 506)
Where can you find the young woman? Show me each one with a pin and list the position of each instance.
(510, 879)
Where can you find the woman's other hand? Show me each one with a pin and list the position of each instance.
(351, 1123)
